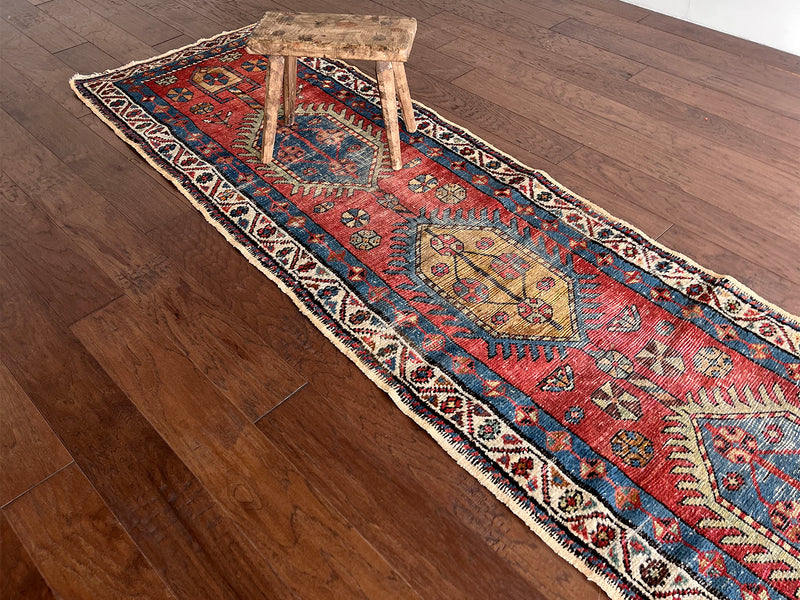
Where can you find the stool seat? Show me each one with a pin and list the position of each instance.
(284, 37)
(356, 37)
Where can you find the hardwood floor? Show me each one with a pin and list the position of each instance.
(172, 426)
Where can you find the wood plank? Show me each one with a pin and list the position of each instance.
(361, 37)
(313, 547)
(77, 543)
(29, 450)
(85, 154)
(504, 15)
(45, 70)
(518, 38)
(419, 9)
(446, 100)
(779, 100)
(698, 136)
(39, 26)
(751, 273)
(192, 544)
(102, 33)
(173, 44)
(20, 577)
(87, 58)
(419, 508)
(625, 10)
(356, 7)
(145, 27)
(227, 14)
(70, 284)
(723, 41)
(203, 254)
(720, 226)
(438, 65)
(466, 106)
(718, 103)
(180, 17)
(431, 37)
(244, 368)
(637, 151)
(112, 139)
(727, 64)
(101, 232)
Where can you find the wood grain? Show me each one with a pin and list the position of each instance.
(243, 366)
(782, 99)
(192, 23)
(71, 284)
(102, 33)
(21, 578)
(190, 542)
(522, 38)
(345, 36)
(77, 543)
(691, 212)
(717, 103)
(39, 26)
(102, 232)
(395, 495)
(86, 154)
(461, 104)
(313, 547)
(637, 151)
(143, 26)
(676, 125)
(40, 66)
(729, 65)
(721, 260)
(729, 43)
(29, 450)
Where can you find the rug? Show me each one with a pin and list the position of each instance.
(638, 412)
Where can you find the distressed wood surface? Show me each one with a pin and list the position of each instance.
(360, 37)
(21, 578)
(29, 450)
(78, 545)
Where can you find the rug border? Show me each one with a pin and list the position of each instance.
(604, 581)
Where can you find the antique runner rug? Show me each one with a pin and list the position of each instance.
(638, 412)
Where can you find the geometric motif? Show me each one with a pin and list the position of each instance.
(325, 152)
(617, 402)
(625, 321)
(730, 450)
(366, 239)
(661, 359)
(355, 217)
(451, 193)
(560, 380)
(753, 471)
(632, 447)
(712, 362)
(505, 288)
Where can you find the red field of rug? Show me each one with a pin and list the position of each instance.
(638, 412)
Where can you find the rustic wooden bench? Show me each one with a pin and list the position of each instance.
(285, 36)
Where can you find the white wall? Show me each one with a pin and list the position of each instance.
(773, 23)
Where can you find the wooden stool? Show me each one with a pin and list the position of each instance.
(285, 36)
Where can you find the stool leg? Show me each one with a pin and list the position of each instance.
(405, 96)
(389, 107)
(271, 101)
(289, 90)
